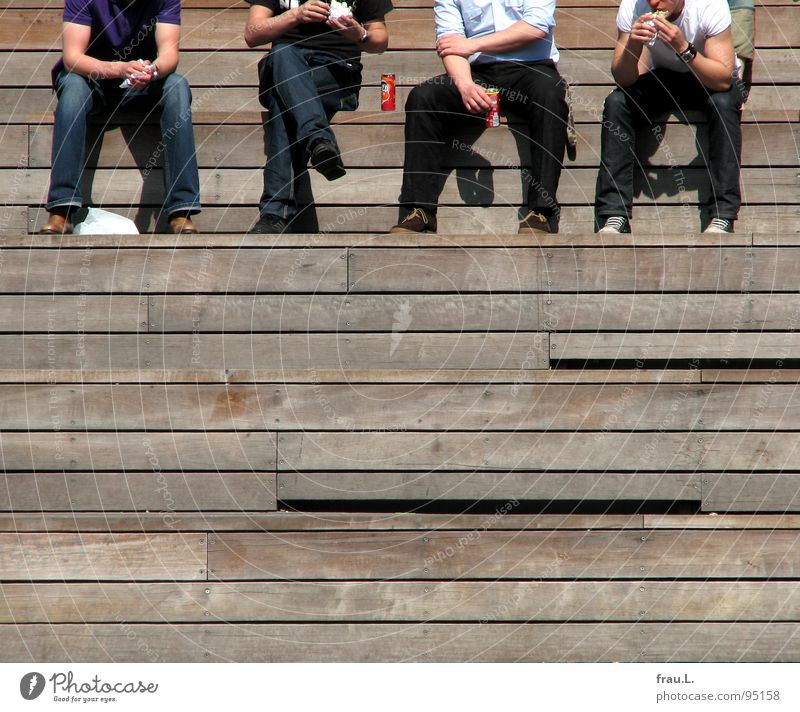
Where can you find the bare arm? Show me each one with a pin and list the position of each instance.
(168, 38)
(76, 40)
(349, 28)
(629, 62)
(714, 68)
(263, 26)
(472, 94)
(519, 35)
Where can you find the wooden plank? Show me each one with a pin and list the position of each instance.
(353, 376)
(230, 186)
(154, 452)
(354, 312)
(96, 557)
(500, 601)
(730, 492)
(468, 452)
(13, 220)
(563, 270)
(316, 521)
(80, 312)
(357, 642)
(722, 521)
(585, 27)
(395, 407)
(522, 350)
(242, 146)
(13, 149)
(751, 375)
(493, 312)
(179, 270)
(360, 486)
(161, 492)
(621, 347)
(492, 555)
(470, 223)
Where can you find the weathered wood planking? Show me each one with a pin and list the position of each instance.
(328, 521)
(731, 492)
(242, 146)
(722, 521)
(584, 27)
(278, 352)
(214, 68)
(192, 270)
(480, 554)
(384, 601)
(467, 312)
(162, 492)
(482, 487)
(650, 223)
(550, 451)
(609, 407)
(763, 345)
(372, 186)
(72, 313)
(643, 269)
(95, 557)
(356, 642)
(154, 452)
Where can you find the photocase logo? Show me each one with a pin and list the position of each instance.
(31, 685)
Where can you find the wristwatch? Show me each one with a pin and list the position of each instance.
(688, 54)
(365, 36)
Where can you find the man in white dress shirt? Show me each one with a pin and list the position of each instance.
(487, 43)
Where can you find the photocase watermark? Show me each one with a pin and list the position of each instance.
(168, 510)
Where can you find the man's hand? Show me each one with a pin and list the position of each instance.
(457, 45)
(670, 34)
(642, 31)
(138, 73)
(313, 11)
(474, 97)
(348, 27)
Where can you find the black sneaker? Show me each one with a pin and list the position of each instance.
(418, 220)
(616, 225)
(720, 225)
(269, 225)
(326, 159)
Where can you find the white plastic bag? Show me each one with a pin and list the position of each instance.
(102, 222)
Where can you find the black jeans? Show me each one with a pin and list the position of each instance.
(659, 91)
(434, 110)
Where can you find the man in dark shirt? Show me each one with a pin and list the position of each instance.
(312, 71)
(102, 43)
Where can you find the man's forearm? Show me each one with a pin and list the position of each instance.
(90, 67)
(625, 65)
(710, 73)
(271, 28)
(457, 69)
(519, 35)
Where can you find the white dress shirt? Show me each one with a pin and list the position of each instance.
(475, 18)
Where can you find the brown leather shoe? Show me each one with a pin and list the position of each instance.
(58, 224)
(534, 224)
(418, 220)
(182, 225)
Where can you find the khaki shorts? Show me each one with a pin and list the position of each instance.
(743, 29)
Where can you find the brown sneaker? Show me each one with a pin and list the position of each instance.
(418, 220)
(182, 225)
(58, 224)
(534, 223)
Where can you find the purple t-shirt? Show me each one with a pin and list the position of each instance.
(122, 30)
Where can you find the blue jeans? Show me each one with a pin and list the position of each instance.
(302, 89)
(79, 96)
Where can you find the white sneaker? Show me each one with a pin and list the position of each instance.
(616, 224)
(720, 225)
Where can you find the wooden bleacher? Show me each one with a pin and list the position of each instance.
(344, 446)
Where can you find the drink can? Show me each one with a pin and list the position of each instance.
(388, 98)
(493, 115)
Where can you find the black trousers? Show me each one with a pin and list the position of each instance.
(434, 110)
(628, 110)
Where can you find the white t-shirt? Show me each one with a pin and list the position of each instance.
(698, 19)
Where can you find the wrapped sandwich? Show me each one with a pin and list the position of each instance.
(340, 9)
(655, 13)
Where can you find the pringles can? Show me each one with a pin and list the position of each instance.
(493, 115)
(388, 97)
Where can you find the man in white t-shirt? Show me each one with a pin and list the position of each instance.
(690, 65)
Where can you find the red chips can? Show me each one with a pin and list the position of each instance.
(388, 98)
(493, 115)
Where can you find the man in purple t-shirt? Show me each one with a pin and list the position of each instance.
(122, 54)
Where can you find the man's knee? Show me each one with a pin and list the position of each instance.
(176, 91)
(616, 104)
(725, 101)
(424, 97)
(74, 92)
(285, 56)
